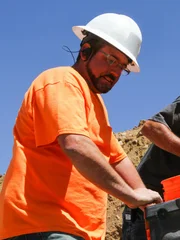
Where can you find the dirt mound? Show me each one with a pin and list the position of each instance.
(1, 181)
(135, 146)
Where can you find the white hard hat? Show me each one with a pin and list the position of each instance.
(120, 31)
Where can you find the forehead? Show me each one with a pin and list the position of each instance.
(116, 53)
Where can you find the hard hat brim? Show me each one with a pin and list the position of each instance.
(134, 67)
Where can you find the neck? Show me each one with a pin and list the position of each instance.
(83, 72)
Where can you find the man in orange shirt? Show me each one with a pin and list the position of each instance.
(65, 156)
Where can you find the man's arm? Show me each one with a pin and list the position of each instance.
(128, 172)
(161, 136)
(89, 161)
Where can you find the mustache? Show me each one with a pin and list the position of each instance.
(111, 76)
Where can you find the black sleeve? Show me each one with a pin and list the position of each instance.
(170, 116)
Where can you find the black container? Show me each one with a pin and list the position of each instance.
(164, 220)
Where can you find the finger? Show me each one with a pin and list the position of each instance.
(159, 199)
(142, 208)
(146, 205)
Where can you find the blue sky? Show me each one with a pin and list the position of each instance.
(32, 34)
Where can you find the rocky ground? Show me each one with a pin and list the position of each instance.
(135, 146)
(1, 181)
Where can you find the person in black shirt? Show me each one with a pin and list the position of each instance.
(161, 161)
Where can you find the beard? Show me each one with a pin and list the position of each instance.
(100, 83)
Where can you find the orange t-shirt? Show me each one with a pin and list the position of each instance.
(42, 190)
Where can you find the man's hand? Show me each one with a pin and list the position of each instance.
(144, 197)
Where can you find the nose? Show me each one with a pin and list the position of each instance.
(116, 73)
(116, 69)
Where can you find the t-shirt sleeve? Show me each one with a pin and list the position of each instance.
(117, 152)
(169, 116)
(58, 108)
